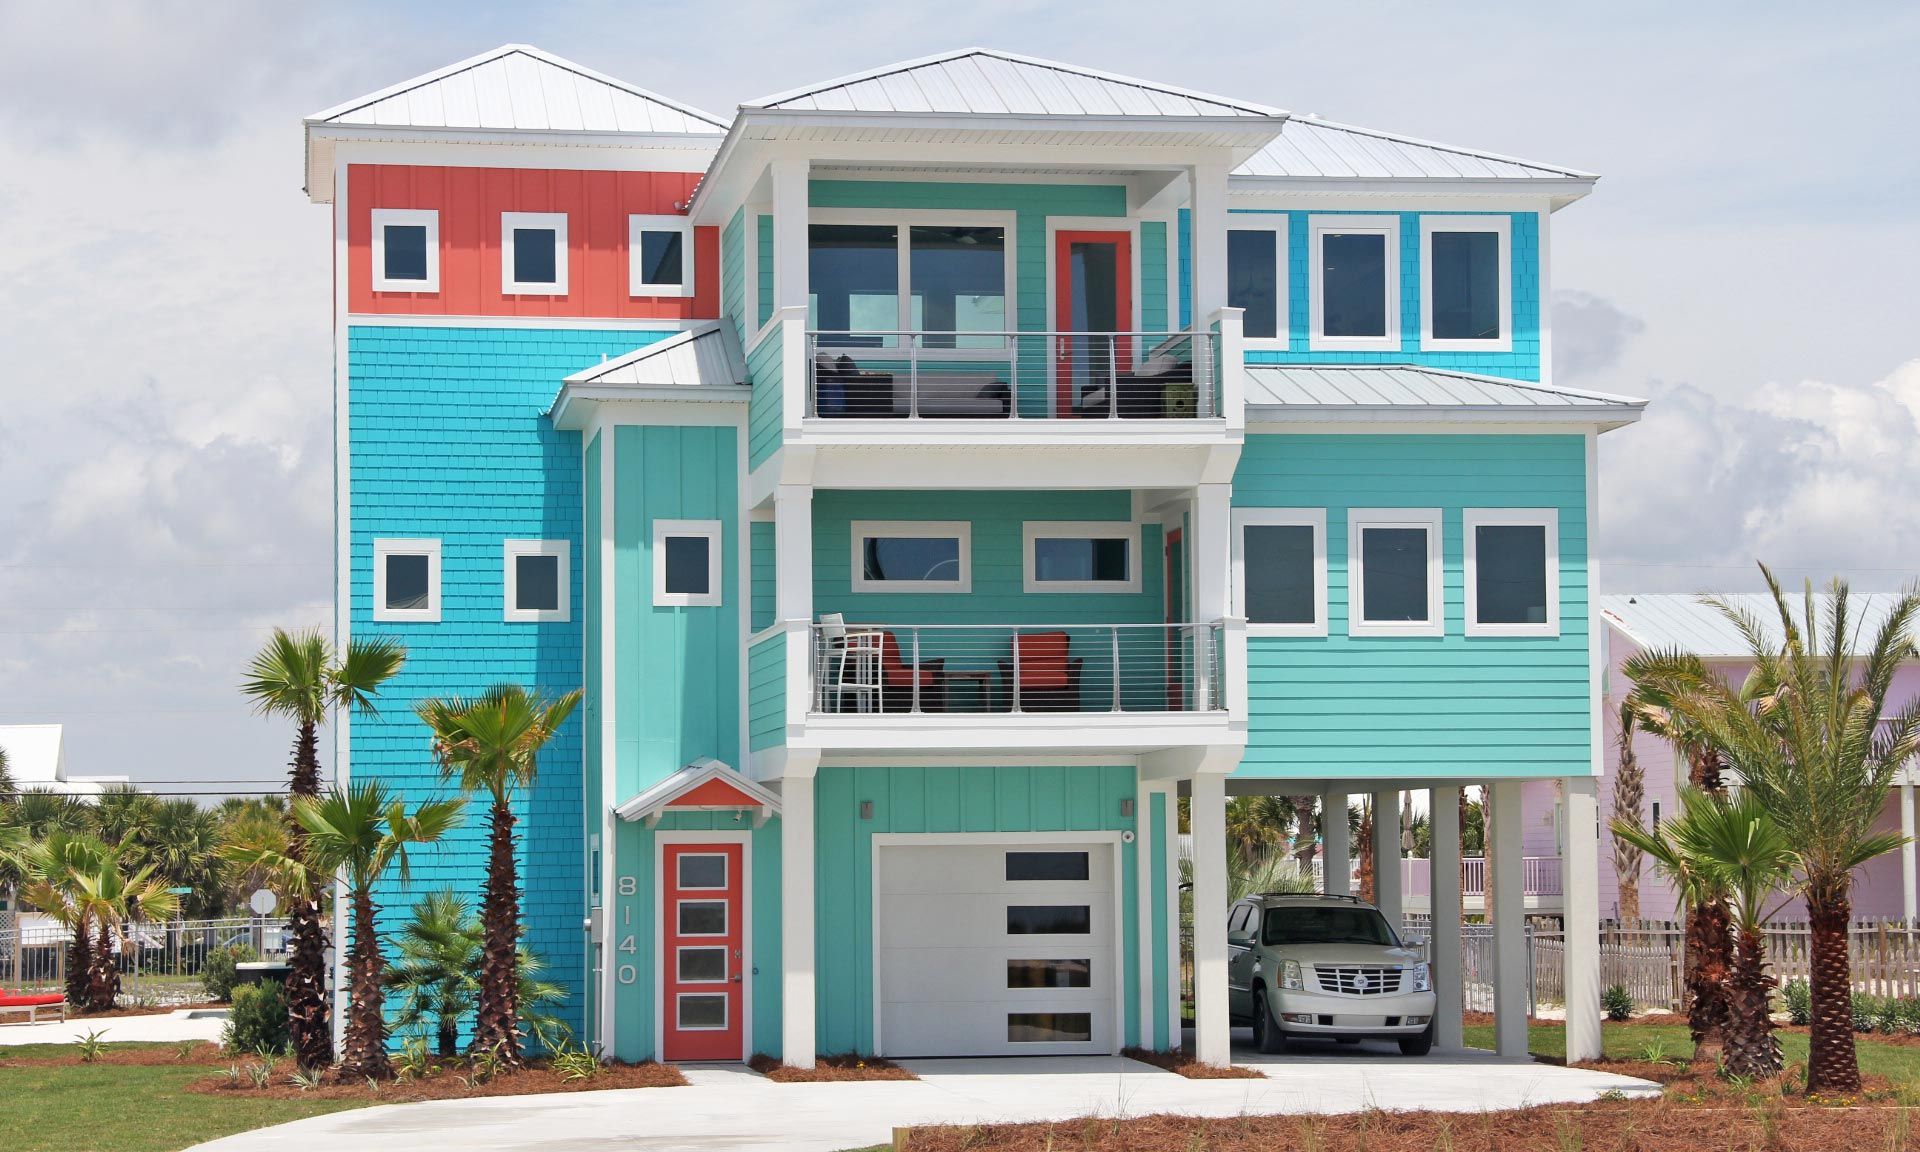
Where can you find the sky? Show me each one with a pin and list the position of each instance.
(1747, 263)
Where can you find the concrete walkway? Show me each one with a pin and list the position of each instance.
(725, 1110)
(162, 1027)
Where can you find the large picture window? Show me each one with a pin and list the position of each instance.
(1512, 571)
(1355, 283)
(870, 281)
(1280, 570)
(1393, 572)
(1465, 270)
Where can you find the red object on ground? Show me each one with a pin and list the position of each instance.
(26, 1000)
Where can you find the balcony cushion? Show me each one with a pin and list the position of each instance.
(896, 672)
(1043, 659)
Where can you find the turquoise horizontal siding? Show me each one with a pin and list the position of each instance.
(448, 442)
(765, 417)
(760, 575)
(1522, 363)
(1153, 276)
(767, 693)
(946, 799)
(1421, 707)
(733, 273)
(763, 270)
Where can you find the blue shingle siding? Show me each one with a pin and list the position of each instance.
(449, 442)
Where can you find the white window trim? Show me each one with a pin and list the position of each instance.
(709, 530)
(1474, 519)
(1424, 518)
(1500, 226)
(726, 912)
(513, 549)
(636, 225)
(554, 220)
(726, 1006)
(1034, 531)
(406, 547)
(902, 220)
(1276, 223)
(418, 217)
(726, 884)
(962, 530)
(679, 958)
(1317, 229)
(1314, 518)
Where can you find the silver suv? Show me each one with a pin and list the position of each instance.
(1328, 966)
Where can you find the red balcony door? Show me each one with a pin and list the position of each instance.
(1093, 294)
(703, 934)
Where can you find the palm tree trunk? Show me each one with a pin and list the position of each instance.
(448, 1034)
(497, 1024)
(309, 1023)
(364, 1052)
(1709, 960)
(1303, 831)
(1751, 1049)
(79, 966)
(103, 975)
(1363, 851)
(1832, 1065)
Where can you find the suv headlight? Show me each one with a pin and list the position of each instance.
(1290, 975)
(1422, 978)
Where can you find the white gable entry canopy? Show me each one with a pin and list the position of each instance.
(706, 785)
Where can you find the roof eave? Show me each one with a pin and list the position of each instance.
(1561, 190)
(1601, 418)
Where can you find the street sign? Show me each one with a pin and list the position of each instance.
(263, 902)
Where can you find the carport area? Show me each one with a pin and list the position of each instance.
(1213, 1039)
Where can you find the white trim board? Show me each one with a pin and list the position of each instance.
(637, 226)
(1033, 531)
(384, 218)
(1313, 518)
(509, 223)
(1501, 227)
(1318, 228)
(1548, 519)
(1427, 519)
(862, 530)
(396, 546)
(562, 553)
(712, 531)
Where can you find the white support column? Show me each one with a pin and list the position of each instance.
(1508, 915)
(1211, 550)
(1443, 814)
(793, 594)
(1207, 821)
(796, 917)
(1336, 860)
(788, 177)
(1209, 182)
(1386, 857)
(1907, 896)
(1580, 872)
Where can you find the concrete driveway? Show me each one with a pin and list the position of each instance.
(732, 1110)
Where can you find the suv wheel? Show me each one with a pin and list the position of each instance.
(1418, 1045)
(1266, 1034)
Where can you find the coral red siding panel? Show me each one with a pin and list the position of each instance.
(470, 201)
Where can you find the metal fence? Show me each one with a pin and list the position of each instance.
(160, 962)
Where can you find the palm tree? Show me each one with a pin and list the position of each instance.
(6, 779)
(41, 812)
(362, 832)
(439, 958)
(183, 844)
(122, 816)
(1258, 823)
(493, 745)
(262, 821)
(1728, 849)
(1629, 793)
(90, 889)
(1809, 733)
(297, 676)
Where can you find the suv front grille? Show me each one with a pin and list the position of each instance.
(1357, 980)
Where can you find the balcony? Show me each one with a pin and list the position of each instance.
(1011, 376)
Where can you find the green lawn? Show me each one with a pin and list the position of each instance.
(75, 1107)
(1629, 1042)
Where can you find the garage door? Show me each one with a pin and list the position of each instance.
(996, 949)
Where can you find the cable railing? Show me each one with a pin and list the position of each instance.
(877, 375)
(913, 669)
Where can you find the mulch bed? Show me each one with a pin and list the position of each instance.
(1183, 1063)
(830, 1070)
(1630, 1126)
(445, 1083)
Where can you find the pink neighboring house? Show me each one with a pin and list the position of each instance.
(1883, 889)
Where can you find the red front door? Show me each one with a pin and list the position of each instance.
(1092, 301)
(703, 962)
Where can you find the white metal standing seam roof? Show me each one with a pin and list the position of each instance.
(1309, 147)
(521, 89)
(1335, 391)
(703, 357)
(1665, 620)
(985, 82)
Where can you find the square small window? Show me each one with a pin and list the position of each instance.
(702, 917)
(1091, 556)
(537, 582)
(686, 564)
(1393, 572)
(1512, 571)
(1465, 271)
(1280, 570)
(701, 870)
(701, 965)
(533, 253)
(702, 1012)
(406, 580)
(1355, 283)
(659, 256)
(1257, 276)
(912, 556)
(406, 250)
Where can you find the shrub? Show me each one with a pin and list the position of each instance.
(258, 1019)
(1891, 1020)
(1799, 1002)
(1617, 1003)
(1866, 1012)
(221, 969)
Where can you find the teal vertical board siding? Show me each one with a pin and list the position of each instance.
(767, 693)
(763, 270)
(635, 922)
(733, 273)
(1522, 363)
(1185, 226)
(1160, 931)
(1153, 276)
(944, 799)
(765, 417)
(677, 681)
(1450, 706)
(760, 578)
(592, 709)
(448, 442)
